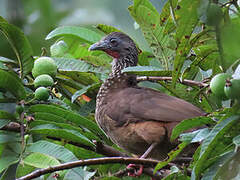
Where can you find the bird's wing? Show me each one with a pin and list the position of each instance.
(142, 104)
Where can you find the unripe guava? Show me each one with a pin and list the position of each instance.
(42, 94)
(217, 85)
(58, 49)
(43, 80)
(44, 65)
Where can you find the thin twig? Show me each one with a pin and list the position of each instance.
(185, 81)
(95, 161)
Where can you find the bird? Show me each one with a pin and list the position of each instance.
(139, 120)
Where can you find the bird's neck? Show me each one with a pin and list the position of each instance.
(118, 64)
(117, 79)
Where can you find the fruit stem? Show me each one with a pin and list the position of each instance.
(228, 83)
(31, 100)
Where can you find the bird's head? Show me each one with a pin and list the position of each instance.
(118, 45)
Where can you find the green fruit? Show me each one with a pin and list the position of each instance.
(58, 49)
(44, 65)
(43, 80)
(232, 89)
(217, 85)
(42, 93)
(214, 15)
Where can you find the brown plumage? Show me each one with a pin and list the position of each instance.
(135, 117)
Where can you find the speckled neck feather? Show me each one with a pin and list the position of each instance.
(117, 79)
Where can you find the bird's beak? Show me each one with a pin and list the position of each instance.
(101, 45)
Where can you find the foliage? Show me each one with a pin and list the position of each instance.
(62, 129)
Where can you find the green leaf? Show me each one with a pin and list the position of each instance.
(84, 34)
(236, 141)
(187, 21)
(7, 60)
(49, 117)
(190, 72)
(11, 82)
(206, 56)
(230, 41)
(81, 153)
(40, 160)
(146, 71)
(6, 115)
(67, 134)
(218, 166)
(176, 175)
(5, 118)
(195, 136)
(57, 152)
(98, 60)
(148, 18)
(53, 150)
(69, 82)
(218, 141)
(74, 65)
(107, 29)
(6, 137)
(85, 133)
(167, 16)
(151, 85)
(229, 168)
(145, 3)
(2, 19)
(85, 90)
(8, 158)
(74, 79)
(190, 123)
(23, 170)
(79, 50)
(4, 122)
(70, 116)
(144, 58)
(20, 46)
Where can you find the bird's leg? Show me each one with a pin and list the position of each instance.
(153, 145)
(138, 169)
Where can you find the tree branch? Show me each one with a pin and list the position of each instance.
(96, 161)
(185, 81)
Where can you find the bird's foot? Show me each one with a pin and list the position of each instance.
(137, 170)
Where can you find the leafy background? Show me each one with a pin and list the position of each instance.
(178, 45)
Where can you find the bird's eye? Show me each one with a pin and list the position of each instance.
(113, 42)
